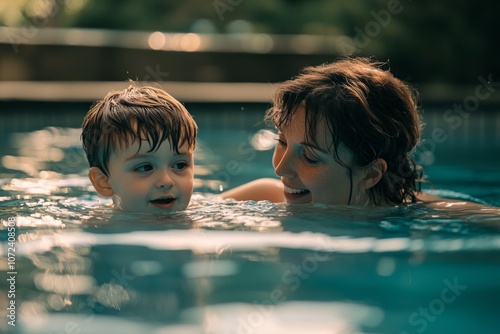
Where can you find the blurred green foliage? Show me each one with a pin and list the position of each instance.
(431, 41)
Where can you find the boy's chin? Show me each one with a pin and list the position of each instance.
(152, 206)
(147, 210)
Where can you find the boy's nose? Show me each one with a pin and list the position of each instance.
(164, 180)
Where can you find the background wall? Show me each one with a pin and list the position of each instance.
(449, 41)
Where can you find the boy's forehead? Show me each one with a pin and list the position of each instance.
(133, 147)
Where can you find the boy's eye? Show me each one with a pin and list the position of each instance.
(180, 165)
(144, 168)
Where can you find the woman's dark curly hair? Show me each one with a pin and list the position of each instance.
(365, 108)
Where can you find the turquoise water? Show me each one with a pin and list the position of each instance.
(248, 267)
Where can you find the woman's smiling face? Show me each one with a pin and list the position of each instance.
(310, 173)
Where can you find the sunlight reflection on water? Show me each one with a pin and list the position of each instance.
(223, 266)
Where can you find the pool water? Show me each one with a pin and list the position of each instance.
(75, 266)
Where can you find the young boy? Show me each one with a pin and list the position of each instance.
(139, 143)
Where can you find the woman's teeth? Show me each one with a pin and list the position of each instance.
(295, 190)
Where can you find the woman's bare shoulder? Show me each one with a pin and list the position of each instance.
(455, 204)
(258, 190)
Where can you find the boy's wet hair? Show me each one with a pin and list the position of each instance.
(365, 108)
(133, 115)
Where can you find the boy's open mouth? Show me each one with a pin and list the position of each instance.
(163, 203)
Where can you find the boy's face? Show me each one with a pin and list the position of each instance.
(160, 181)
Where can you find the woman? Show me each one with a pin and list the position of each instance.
(345, 134)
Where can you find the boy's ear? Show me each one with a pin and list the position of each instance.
(100, 182)
(374, 172)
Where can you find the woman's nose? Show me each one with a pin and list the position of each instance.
(283, 164)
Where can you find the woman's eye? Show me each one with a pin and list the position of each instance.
(180, 165)
(144, 168)
(281, 142)
(310, 159)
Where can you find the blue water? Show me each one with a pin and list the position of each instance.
(244, 267)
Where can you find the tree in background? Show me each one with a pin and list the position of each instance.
(434, 41)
